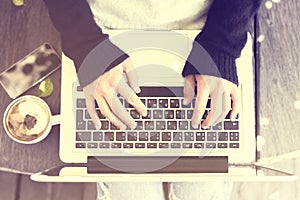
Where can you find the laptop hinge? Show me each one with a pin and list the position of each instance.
(157, 164)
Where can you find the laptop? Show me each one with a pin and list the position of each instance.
(164, 146)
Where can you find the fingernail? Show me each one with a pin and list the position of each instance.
(144, 113)
(98, 125)
(204, 126)
(184, 101)
(137, 90)
(122, 127)
(133, 126)
(195, 126)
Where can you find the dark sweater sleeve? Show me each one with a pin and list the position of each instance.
(82, 40)
(223, 38)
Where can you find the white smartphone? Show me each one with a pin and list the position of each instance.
(30, 70)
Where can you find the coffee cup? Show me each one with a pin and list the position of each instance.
(28, 119)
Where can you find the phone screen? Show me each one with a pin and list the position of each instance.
(30, 70)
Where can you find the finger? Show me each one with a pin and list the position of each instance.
(90, 104)
(201, 101)
(225, 108)
(188, 90)
(119, 110)
(235, 103)
(124, 90)
(105, 110)
(215, 110)
(132, 76)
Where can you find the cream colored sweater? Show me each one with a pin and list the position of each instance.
(150, 14)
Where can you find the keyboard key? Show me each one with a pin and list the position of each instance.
(169, 114)
(193, 103)
(231, 125)
(183, 125)
(148, 116)
(80, 103)
(163, 103)
(113, 127)
(128, 145)
(139, 125)
(108, 136)
(151, 145)
(166, 136)
(120, 136)
(132, 136)
(80, 125)
(234, 145)
(157, 114)
(199, 145)
(83, 136)
(100, 115)
(154, 136)
(104, 125)
(144, 101)
(211, 136)
(80, 145)
(92, 145)
(211, 145)
(116, 145)
(87, 115)
(90, 125)
(192, 128)
(139, 145)
(134, 114)
(185, 106)
(151, 103)
(222, 136)
(175, 145)
(189, 114)
(222, 145)
(234, 136)
(79, 89)
(200, 136)
(164, 145)
(103, 145)
(143, 136)
(177, 136)
(97, 136)
(180, 114)
(218, 126)
(188, 136)
(172, 125)
(127, 105)
(160, 125)
(174, 103)
(149, 125)
(79, 115)
(187, 145)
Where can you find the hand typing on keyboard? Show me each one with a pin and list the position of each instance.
(105, 90)
(221, 93)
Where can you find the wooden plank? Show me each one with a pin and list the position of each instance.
(8, 185)
(22, 30)
(280, 77)
(89, 191)
(62, 191)
(34, 190)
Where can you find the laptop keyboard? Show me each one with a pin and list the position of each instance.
(167, 125)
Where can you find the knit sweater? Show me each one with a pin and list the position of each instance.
(223, 37)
